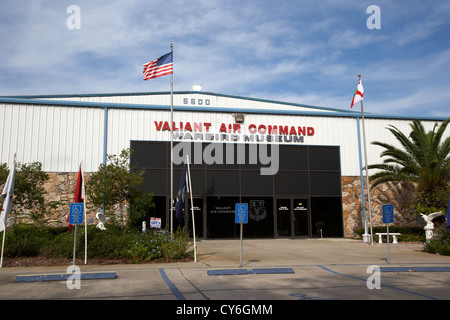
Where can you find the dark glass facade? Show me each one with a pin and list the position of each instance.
(303, 198)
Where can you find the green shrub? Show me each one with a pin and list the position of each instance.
(175, 247)
(439, 243)
(113, 243)
(61, 245)
(24, 240)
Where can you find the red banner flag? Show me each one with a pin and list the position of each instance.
(78, 197)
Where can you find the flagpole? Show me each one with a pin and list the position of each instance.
(171, 148)
(74, 246)
(3, 246)
(192, 208)
(83, 193)
(6, 216)
(367, 171)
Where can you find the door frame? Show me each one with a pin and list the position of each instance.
(292, 215)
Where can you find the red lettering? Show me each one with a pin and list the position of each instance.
(198, 127)
(293, 131)
(236, 127)
(310, 131)
(166, 126)
(252, 128)
(273, 130)
(188, 126)
(158, 127)
(262, 129)
(284, 130)
(223, 128)
(301, 131)
(207, 125)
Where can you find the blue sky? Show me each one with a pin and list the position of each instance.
(296, 51)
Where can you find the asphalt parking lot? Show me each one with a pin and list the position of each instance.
(272, 269)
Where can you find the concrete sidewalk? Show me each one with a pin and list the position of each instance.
(322, 269)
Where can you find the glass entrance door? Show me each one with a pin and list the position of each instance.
(300, 217)
(284, 217)
(292, 217)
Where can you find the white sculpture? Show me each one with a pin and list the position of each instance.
(101, 217)
(430, 226)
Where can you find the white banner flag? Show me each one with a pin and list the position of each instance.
(7, 196)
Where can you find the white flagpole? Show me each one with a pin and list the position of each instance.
(6, 213)
(171, 148)
(367, 170)
(192, 208)
(85, 213)
(3, 246)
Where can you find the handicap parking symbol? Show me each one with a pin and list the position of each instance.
(76, 213)
(241, 213)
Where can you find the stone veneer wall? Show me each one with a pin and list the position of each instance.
(400, 195)
(61, 187)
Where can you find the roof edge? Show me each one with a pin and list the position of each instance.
(85, 95)
(105, 105)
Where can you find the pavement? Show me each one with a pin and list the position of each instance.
(272, 270)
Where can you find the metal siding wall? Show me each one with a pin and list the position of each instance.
(328, 131)
(376, 130)
(58, 137)
(126, 125)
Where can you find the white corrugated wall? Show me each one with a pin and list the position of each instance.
(60, 137)
(57, 136)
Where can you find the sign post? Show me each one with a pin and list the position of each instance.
(76, 218)
(388, 217)
(241, 218)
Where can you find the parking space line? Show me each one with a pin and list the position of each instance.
(384, 285)
(172, 287)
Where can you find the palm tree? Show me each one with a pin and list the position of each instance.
(424, 159)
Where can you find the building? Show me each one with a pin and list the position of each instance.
(297, 166)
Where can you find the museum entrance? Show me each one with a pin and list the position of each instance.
(293, 218)
(302, 199)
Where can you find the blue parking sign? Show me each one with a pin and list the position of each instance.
(76, 213)
(241, 213)
(388, 213)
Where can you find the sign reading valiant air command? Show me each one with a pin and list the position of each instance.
(207, 131)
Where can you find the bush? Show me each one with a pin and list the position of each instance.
(175, 247)
(129, 246)
(439, 243)
(141, 203)
(24, 240)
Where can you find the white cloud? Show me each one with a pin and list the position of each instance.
(301, 51)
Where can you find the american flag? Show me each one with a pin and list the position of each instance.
(159, 67)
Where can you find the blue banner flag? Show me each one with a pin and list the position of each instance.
(180, 195)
